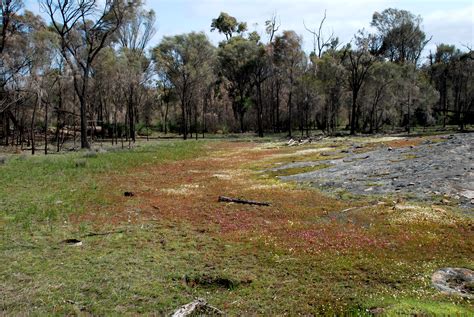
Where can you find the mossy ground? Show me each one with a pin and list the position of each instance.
(308, 253)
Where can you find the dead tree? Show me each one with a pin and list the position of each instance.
(319, 42)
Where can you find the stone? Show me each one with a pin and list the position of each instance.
(454, 281)
(436, 171)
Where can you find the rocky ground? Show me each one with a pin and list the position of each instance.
(442, 169)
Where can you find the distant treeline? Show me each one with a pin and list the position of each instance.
(88, 71)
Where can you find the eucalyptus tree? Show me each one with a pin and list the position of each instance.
(133, 36)
(462, 77)
(330, 76)
(25, 64)
(237, 63)
(451, 70)
(402, 38)
(84, 30)
(307, 97)
(166, 96)
(42, 73)
(13, 60)
(186, 62)
(402, 41)
(110, 82)
(358, 62)
(228, 25)
(290, 58)
(272, 26)
(260, 72)
(381, 96)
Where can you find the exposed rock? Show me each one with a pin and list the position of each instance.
(454, 281)
(435, 171)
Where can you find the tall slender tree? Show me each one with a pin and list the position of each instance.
(84, 30)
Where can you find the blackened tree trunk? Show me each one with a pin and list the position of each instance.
(354, 110)
(131, 113)
(259, 110)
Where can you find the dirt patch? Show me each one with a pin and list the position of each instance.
(401, 143)
(206, 280)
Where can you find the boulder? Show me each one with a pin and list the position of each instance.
(454, 281)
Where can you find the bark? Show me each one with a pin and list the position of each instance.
(289, 112)
(241, 201)
(32, 127)
(259, 110)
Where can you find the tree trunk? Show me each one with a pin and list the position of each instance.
(32, 128)
(241, 117)
(58, 118)
(196, 121)
(408, 112)
(183, 117)
(6, 127)
(259, 111)
(354, 111)
(46, 129)
(82, 94)
(278, 108)
(289, 111)
(131, 116)
(166, 116)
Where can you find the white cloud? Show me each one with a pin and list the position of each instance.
(449, 22)
(454, 26)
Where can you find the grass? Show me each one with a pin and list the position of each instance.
(431, 308)
(306, 254)
(50, 188)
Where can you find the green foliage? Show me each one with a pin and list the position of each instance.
(228, 25)
(402, 39)
(240, 59)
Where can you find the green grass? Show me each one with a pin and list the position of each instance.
(50, 188)
(411, 307)
(147, 268)
(156, 266)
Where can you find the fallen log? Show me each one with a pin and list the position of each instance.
(242, 201)
(198, 307)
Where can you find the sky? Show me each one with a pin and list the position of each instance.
(450, 22)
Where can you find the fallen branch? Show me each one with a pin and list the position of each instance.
(242, 201)
(94, 234)
(199, 307)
